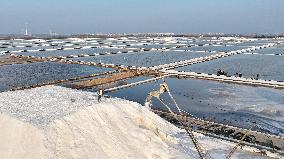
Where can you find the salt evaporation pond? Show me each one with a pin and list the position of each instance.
(145, 59)
(213, 48)
(268, 67)
(12, 76)
(57, 53)
(225, 103)
(151, 45)
(279, 49)
(253, 43)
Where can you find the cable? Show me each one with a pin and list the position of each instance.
(180, 111)
(238, 144)
(189, 132)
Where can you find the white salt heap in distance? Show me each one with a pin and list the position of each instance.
(54, 122)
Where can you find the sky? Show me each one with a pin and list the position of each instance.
(133, 16)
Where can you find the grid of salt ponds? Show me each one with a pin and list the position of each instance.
(83, 42)
(67, 52)
(221, 46)
(29, 48)
(226, 103)
(37, 47)
(268, 67)
(21, 45)
(7, 46)
(47, 47)
(143, 59)
(110, 41)
(12, 76)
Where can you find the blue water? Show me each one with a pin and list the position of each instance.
(226, 103)
(145, 59)
(268, 67)
(12, 76)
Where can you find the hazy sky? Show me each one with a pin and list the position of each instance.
(117, 16)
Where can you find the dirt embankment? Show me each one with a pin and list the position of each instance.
(109, 79)
(9, 60)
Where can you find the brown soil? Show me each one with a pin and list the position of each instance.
(9, 60)
(109, 79)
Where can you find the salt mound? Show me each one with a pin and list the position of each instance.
(114, 128)
(19, 140)
(55, 122)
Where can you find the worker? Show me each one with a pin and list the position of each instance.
(219, 72)
(257, 76)
(100, 95)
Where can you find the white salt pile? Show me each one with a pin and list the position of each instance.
(55, 122)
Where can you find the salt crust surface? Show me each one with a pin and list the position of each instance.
(55, 122)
